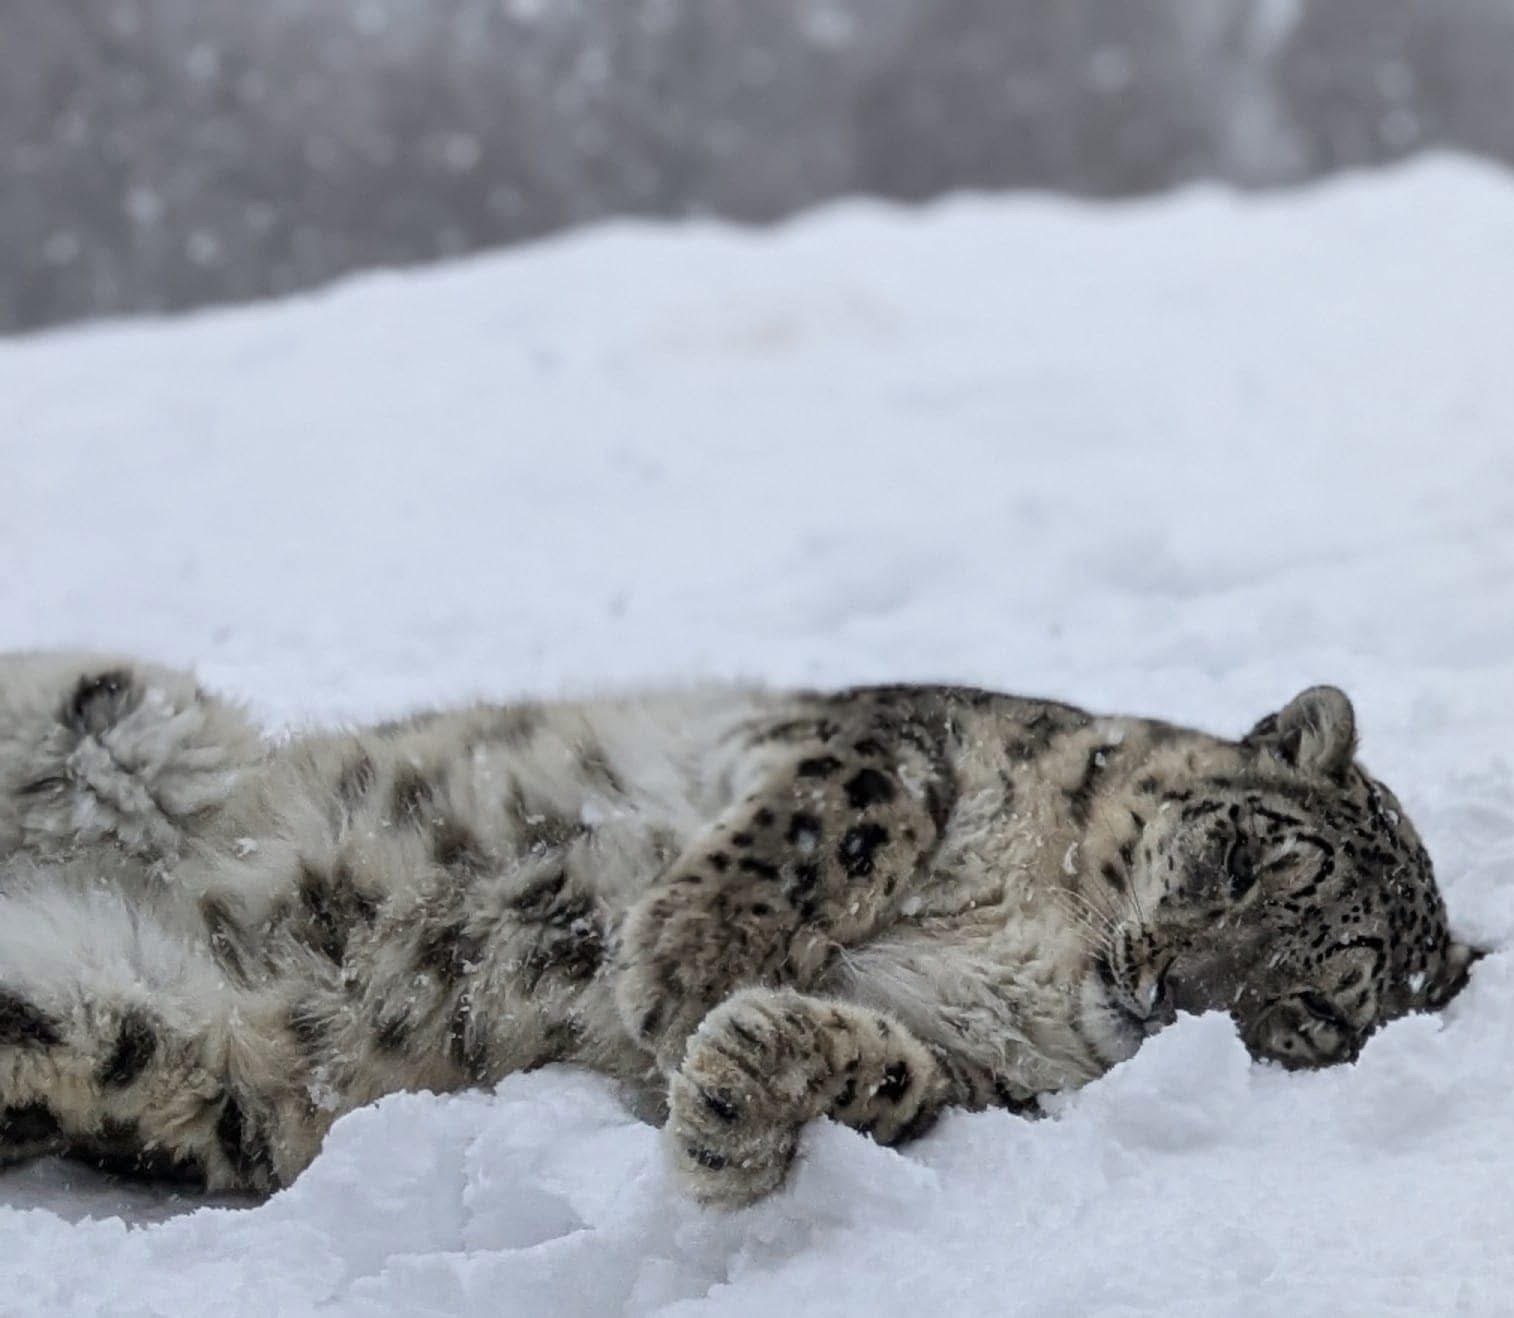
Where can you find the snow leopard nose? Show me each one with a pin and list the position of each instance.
(1301, 1033)
(1153, 999)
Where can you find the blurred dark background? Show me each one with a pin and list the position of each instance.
(157, 154)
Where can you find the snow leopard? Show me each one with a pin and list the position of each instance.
(751, 908)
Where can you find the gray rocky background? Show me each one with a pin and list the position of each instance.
(157, 154)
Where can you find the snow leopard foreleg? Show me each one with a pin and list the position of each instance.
(766, 1061)
(116, 753)
(817, 859)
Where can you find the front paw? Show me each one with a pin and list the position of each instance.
(737, 1103)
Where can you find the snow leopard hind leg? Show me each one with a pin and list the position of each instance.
(724, 961)
(123, 1044)
(116, 1024)
(118, 755)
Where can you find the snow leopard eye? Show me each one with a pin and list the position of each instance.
(1239, 868)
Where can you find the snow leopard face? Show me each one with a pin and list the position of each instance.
(1290, 889)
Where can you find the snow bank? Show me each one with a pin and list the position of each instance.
(1182, 457)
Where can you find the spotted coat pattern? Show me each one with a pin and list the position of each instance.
(753, 909)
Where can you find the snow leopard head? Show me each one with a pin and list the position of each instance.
(1287, 886)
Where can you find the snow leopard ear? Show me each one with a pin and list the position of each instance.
(1314, 732)
(1455, 971)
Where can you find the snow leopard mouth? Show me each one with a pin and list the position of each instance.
(1139, 1010)
(1144, 1023)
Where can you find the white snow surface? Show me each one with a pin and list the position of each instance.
(1181, 457)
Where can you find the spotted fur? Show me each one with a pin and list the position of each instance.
(753, 909)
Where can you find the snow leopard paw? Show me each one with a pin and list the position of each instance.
(119, 752)
(767, 1061)
(733, 1116)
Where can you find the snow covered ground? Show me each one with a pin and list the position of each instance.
(1180, 457)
